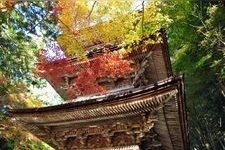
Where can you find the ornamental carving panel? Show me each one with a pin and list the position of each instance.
(123, 132)
(122, 139)
(96, 141)
(73, 143)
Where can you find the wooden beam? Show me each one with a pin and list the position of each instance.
(139, 75)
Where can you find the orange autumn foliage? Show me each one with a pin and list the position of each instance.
(86, 72)
(6, 5)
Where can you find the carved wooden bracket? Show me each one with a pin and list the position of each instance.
(120, 133)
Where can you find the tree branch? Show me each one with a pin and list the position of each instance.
(142, 21)
(198, 17)
(92, 8)
(64, 24)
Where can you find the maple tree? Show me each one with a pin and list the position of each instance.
(85, 23)
(87, 72)
(6, 5)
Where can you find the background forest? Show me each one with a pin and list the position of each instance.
(196, 41)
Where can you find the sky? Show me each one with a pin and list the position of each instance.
(46, 94)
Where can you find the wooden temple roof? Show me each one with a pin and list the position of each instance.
(147, 117)
(151, 117)
(157, 66)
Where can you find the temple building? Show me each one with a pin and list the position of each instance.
(145, 111)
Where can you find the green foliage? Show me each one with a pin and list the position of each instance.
(195, 39)
(9, 144)
(17, 49)
(19, 23)
(6, 144)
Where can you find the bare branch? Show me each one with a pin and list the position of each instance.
(142, 21)
(92, 8)
(198, 17)
(64, 24)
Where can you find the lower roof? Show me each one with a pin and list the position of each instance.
(165, 97)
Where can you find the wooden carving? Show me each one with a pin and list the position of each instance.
(116, 134)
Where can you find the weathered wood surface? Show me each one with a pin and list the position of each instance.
(133, 117)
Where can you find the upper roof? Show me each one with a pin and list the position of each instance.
(154, 58)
